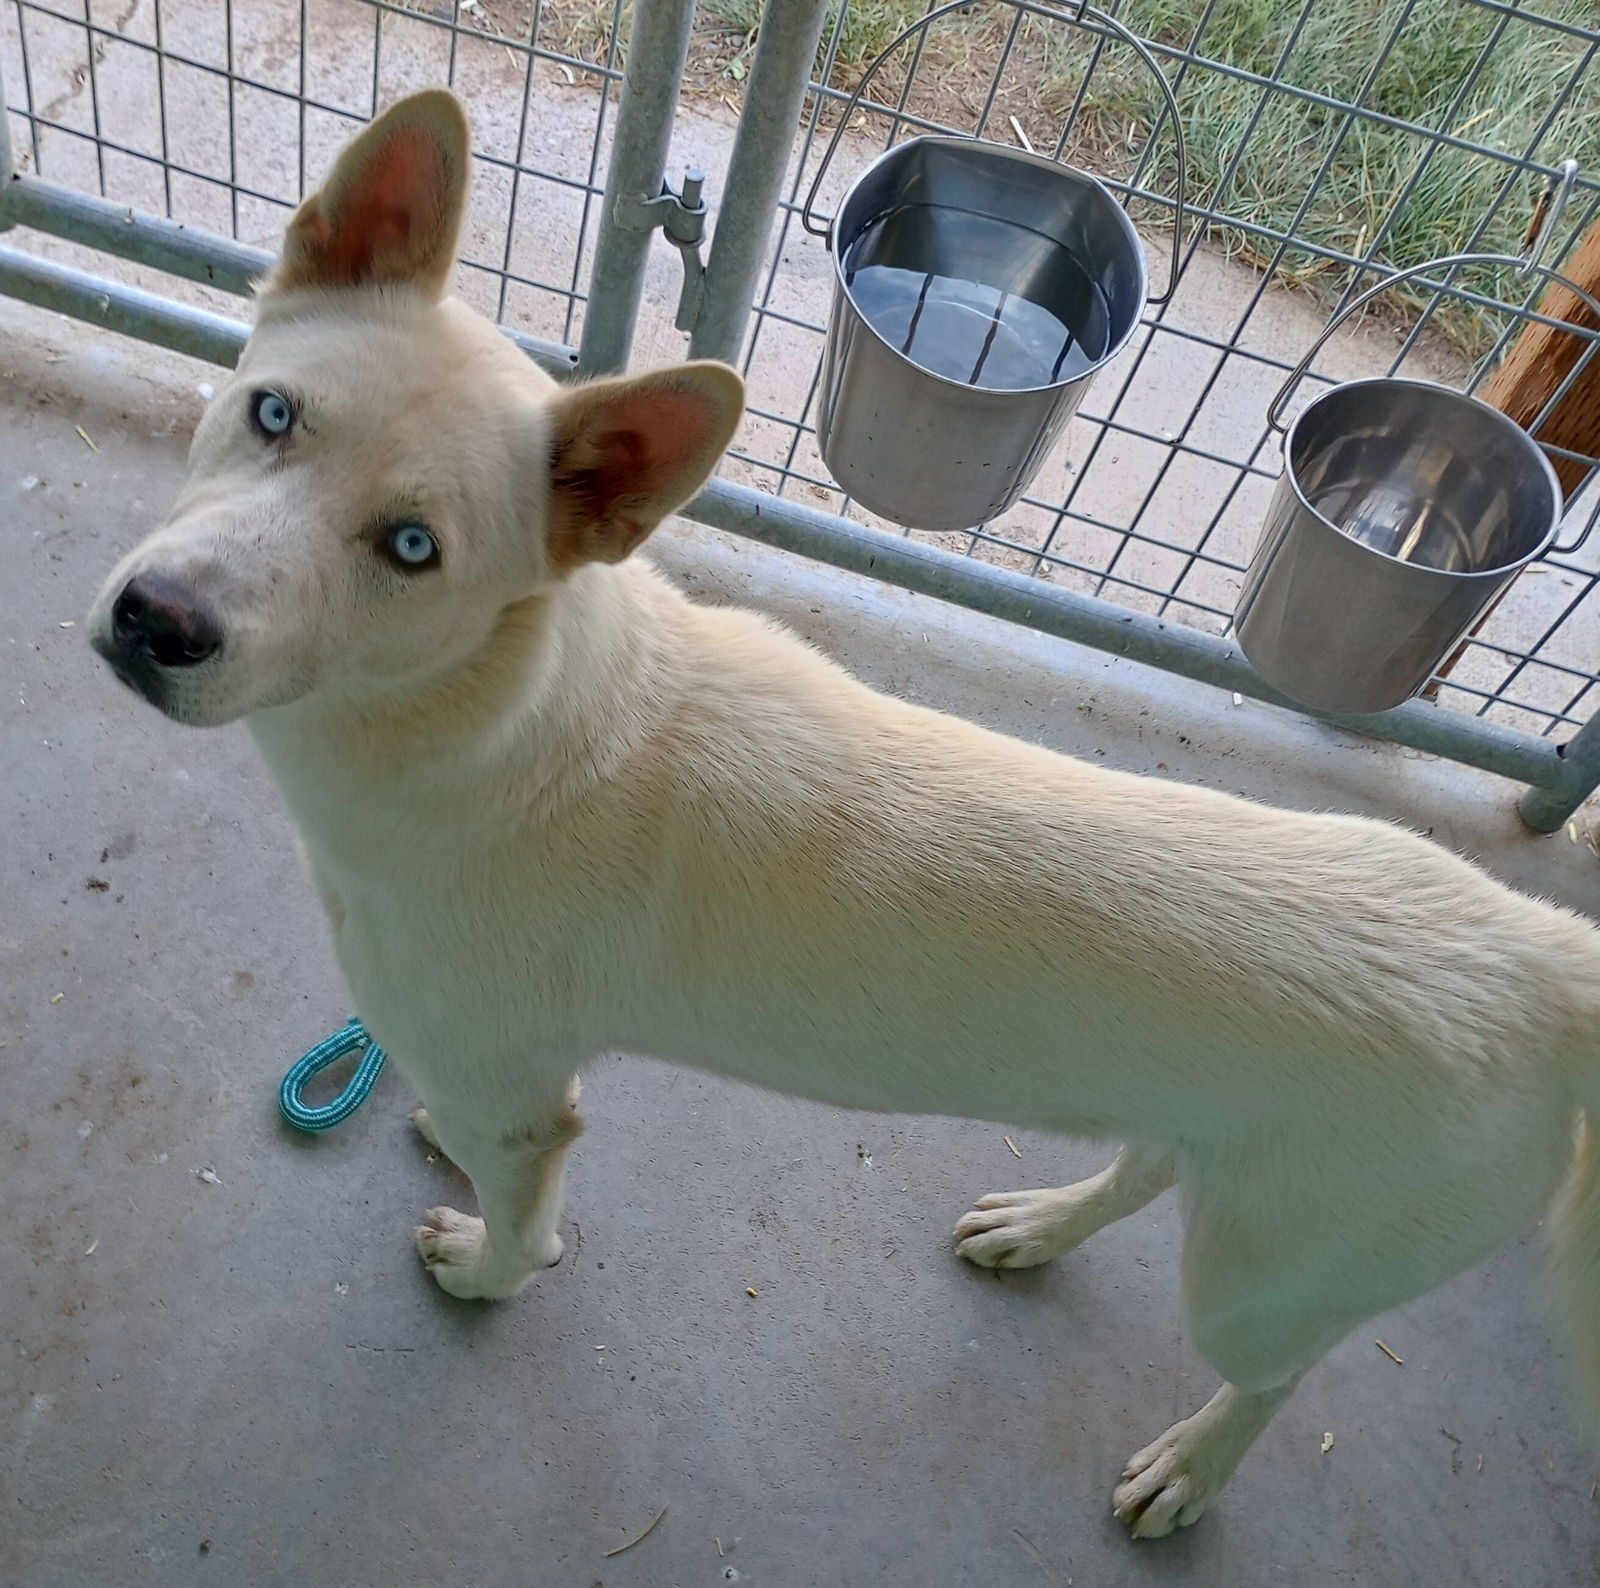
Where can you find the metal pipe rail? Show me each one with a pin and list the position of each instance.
(1560, 777)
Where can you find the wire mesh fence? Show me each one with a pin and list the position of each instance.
(221, 113)
(1309, 187)
(1331, 141)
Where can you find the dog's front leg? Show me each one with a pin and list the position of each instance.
(518, 1173)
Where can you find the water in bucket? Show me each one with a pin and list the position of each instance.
(1403, 511)
(1034, 319)
(1389, 510)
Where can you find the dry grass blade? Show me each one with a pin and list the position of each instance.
(649, 1528)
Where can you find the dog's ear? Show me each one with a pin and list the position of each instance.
(390, 211)
(627, 452)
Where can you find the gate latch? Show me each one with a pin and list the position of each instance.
(682, 216)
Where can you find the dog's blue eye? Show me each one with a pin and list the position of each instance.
(412, 544)
(272, 413)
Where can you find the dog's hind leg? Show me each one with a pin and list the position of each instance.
(1016, 1229)
(519, 1175)
(1290, 1243)
(1172, 1482)
(1266, 1292)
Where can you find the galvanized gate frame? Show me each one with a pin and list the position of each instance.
(716, 309)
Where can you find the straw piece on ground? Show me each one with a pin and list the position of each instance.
(1399, 1361)
(649, 1528)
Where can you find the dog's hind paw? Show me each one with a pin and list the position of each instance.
(419, 1118)
(454, 1247)
(1166, 1485)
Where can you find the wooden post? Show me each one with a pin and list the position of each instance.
(1539, 360)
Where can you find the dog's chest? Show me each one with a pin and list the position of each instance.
(471, 954)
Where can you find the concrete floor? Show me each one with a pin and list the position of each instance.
(253, 1381)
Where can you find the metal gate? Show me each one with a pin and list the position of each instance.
(149, 140)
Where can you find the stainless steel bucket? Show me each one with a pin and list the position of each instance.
(1403, 510)
(978, 291)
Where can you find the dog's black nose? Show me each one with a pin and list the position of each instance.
(157, 618)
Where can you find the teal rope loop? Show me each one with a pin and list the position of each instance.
(298, 1112)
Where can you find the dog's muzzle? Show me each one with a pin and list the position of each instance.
(157, 626)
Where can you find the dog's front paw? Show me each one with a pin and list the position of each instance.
(454, 1246)
(1016, 1229)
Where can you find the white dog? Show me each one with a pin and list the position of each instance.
(554, 810)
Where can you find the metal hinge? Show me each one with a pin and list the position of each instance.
(682, 216)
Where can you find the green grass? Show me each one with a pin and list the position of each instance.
(869, 28)
(1370, 166)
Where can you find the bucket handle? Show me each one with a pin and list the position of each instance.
(1524, 266)
(1085, 16)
